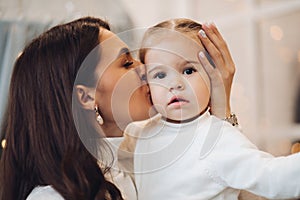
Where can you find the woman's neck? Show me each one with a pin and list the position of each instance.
(112, 130)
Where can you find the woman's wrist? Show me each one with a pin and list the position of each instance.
(228, 112)
(228, 108)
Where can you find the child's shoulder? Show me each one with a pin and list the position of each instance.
(228, 136)
(135, 129)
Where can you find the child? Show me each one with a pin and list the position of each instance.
(186, 153)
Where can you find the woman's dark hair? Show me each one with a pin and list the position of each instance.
(42, 143)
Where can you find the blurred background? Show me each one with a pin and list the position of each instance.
(263, 36)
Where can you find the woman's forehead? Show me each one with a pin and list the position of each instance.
(111, 46)
(109, 38)
(105, 34)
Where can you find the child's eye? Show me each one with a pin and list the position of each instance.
(160, 75)
(189, 71)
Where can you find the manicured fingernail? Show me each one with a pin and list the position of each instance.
(210, 24)
(207, 24)
(201, 54)
(202, 33)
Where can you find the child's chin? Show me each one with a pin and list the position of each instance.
(179, 119)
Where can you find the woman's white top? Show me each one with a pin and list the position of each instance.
(116, 175)
(44, 193)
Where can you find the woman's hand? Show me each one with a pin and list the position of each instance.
(221, 75)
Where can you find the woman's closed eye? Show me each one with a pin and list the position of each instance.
(127, 60)
(127, 64)
(189, 70)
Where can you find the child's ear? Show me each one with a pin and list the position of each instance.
(86, 96)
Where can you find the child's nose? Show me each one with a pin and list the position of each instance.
(177, 84)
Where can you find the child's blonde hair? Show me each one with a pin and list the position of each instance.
(181, 25)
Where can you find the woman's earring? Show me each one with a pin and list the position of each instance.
(98, 116)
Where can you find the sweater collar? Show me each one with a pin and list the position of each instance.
(197, 121)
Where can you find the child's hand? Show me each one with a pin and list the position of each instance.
(221, 77)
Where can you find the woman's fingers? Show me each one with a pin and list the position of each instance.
(218, 101)
(222, 76)
(211, 49)
(219, 43)
(205, 63)
(213, 73)
(223, 48)
(217, 48)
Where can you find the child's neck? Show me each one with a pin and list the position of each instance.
(186, 120)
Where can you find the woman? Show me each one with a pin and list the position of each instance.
(43, 147)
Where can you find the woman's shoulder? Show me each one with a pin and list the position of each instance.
(44, 193)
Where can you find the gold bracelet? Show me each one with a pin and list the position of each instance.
(232, 119)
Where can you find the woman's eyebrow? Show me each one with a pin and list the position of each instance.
(124, 50)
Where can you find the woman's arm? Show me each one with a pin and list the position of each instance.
(221, 75)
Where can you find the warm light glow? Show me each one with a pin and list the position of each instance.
(3, 143)
(276, 33)
(299, 56)
(286, 54)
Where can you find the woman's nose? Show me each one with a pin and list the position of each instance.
(137, 63)
(141, 71)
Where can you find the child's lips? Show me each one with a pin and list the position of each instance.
(177, 101)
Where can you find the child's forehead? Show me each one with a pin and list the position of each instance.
(181, 48)
(163, 34)
(163, 60)
(174, 41)
(158, 55)
(168, 61)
